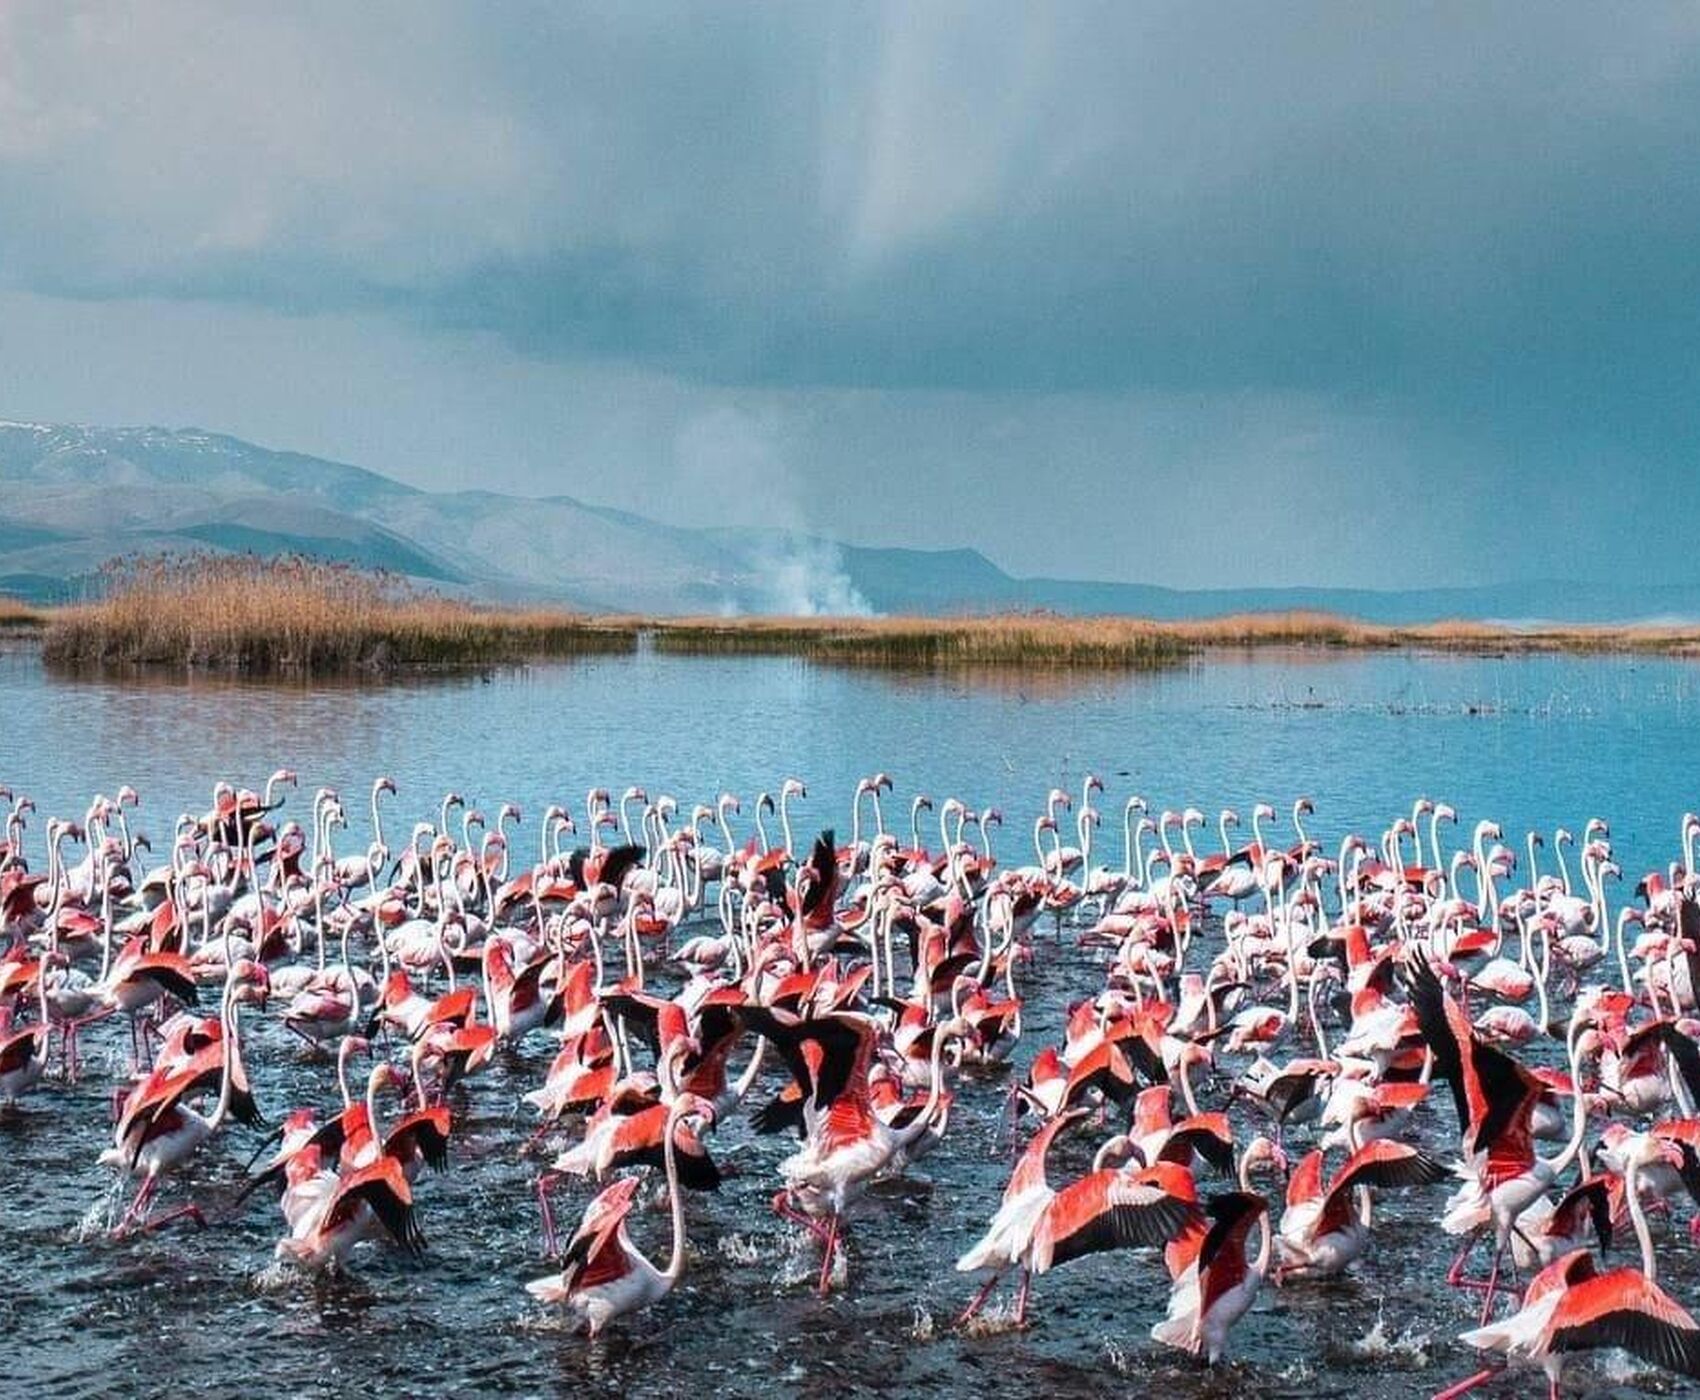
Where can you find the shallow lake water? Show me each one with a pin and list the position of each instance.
(1542, 741)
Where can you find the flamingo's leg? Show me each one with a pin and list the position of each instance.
(1492, 1284)
(551, 1242)
(144, 1194)
(190, 1211)
(1464, 1387)
(1455, 1275)
(827, 1256)
(783, 1208)
(979, 1299)
(1021, 1298)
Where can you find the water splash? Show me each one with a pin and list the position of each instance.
(274, 1278)
(101, 1215)
(1118, 1358)
(801, 1264)
(1408, 1351)
(992, 1320)
(740, 1248)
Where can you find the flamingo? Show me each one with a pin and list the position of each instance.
(1571, 1305)
(603, 1275)
(159, 1133)
(1325, 1228)
(1217, 1285)
(1039, 1228)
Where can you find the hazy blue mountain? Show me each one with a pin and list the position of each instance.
(72, 497)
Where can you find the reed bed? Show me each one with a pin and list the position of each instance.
(1041, 639)
(1016, 639)
(301, 616)
(18, 616)
(309, 617)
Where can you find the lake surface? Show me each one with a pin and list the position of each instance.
(1528, 741)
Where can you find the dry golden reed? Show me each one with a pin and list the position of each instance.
(17, 615)
(306, 616)
(300, 615)
(1042, 639)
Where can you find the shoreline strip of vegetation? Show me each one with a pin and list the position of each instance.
(1045, 639)
(293, 616)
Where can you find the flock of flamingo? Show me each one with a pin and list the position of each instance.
(847, 991)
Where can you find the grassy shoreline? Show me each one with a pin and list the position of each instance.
(303, 618)
(299, 617)
(1044, 639)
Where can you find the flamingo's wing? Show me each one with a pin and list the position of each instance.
(426, 1131)
(1380, 1163)
(1107, 1210)
(1440, 1032)
(827, 1055)
(383, 1187)
(1207, 1134)
(1622, 1309)
(1593, 1196)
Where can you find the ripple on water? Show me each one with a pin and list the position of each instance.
(84, 1316)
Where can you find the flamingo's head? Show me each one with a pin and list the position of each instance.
(1263, 1153)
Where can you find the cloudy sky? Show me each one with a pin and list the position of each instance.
(1222, 293)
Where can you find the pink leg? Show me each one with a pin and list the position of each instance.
(1021, 1298)
(1455, 1275)
(190, 1211)
(979, 1299)
(827, 1255)
(551, 1242)
(1464, 1387)
(782, 1208)
(137, 1206)
(1492, 1285)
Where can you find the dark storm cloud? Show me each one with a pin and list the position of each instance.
(1421, 277)
(1463, 201)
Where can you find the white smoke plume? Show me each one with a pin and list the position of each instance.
(792, 572)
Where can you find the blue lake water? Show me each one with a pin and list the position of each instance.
(1542, 741)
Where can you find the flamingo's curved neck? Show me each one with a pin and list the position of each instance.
(924, 1119)
(1561, 1162)
(669, 1157)
(232, 1048)
(1638, 1218)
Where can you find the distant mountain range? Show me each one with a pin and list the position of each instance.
(73, 497)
